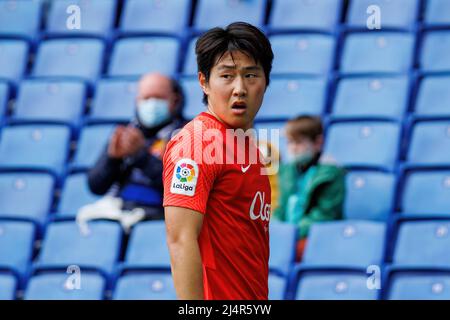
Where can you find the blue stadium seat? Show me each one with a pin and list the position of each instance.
(190, 62)
(302, 54)
(394, 14)
(437, 13)
(282, 142)
(70, 58)
(419, 286)
(434, 57)
(97, 17)
(57, 101)
(307, 15)
(369, 144)
(13, 59)
(433, 96)
(426, 193)
(277, 287)
(369, 195)
(8, 286)
(147, 246)
(283, 239)
(93, 141)
(145, 286)
(42, 147)
(16, 245)
(429, 143)
(345, 244)
(20, 18)
(379, 52)
(136, 56)
(36, 188)
(4, 98)
(75, 194)
(115, 100)
(193, 97)
(66, 244)
(155, 16)
(62, 286)
(288, 97)
(365, 97)
(423, 244)
(334, 286)
(206, 17)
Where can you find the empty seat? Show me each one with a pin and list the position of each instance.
(437, 12)
(371, 144)
(283, 238)
(147, 246)
(96, 17)
(114, 100)
(4, 97)
(63, 286)
(136, 56)
(294, 14)
(433, 96)
(92, 143)
(345, 244)
(394, 14)
(250, 11)
(429, 143)
(366, 97)
(379, 52)
(423, 244)
(8, 286)
(36, 188)
(20, 18)
(369, 195)
(75, 194)
(289, 97)
(59, 101)
(72, 58)
(190, 59)
(16, 245)
(277, 287)
(302, 54)
(426, 193)
(419, 286)
(434, 57)
(334, 286)
(145, 286)
(155, 16)
(13, 59)
(193, 98)
(66, 244)
(42, 147)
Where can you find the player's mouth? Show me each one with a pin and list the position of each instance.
(239, 108)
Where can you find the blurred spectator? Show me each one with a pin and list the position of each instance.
(312, 188)
(129, 171)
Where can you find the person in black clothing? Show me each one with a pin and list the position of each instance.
(130, 168)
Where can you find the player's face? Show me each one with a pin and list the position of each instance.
(235, 89)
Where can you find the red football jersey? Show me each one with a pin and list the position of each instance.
(233, 195)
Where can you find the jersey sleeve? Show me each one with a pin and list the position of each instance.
(187, 179)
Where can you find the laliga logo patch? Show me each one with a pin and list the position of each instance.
(184, 178)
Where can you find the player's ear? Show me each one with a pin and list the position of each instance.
(203, 82)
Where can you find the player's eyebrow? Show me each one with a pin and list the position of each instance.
(233, 67)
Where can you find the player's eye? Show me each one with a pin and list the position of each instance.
(251, 75)
(226, 76)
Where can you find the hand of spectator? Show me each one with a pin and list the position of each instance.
(114, 148)
(131, 141)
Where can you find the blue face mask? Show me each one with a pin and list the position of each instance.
(153, 112)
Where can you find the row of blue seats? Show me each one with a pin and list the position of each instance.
(311, 54)
(388, 97)
(343, 260)
(24, 18)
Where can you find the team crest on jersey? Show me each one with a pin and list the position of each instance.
(184, 179)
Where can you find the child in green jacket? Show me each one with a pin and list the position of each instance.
(312, 189)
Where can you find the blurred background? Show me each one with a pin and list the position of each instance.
(383, 96)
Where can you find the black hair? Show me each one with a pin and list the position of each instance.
(238, 36)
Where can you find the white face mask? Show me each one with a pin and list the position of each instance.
(153, 112)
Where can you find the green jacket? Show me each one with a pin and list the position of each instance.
(324, 194)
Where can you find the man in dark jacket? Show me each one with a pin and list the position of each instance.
(130, 168)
